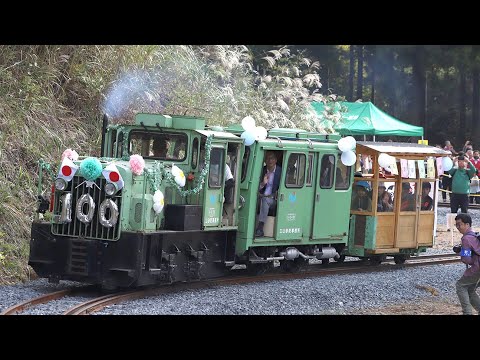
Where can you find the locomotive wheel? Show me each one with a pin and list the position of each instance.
(399, 259)
(258, 269)
(376, 260)
(340, 259)
(293, 266)
(325, 262)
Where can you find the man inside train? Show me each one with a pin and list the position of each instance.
(268, 189)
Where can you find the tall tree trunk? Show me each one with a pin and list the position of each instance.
(462, 128)
(360, 72)
(390, 92)
(475, 99)
(351, 76)
(419, 82)
(373, 65)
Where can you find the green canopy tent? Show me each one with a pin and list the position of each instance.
(366, 119)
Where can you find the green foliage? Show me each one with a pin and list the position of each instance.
(52, 98)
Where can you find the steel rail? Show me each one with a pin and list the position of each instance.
(98, 304)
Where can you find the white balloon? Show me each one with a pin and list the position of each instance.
(352, 142)
(260, 133)
(248, 123)
(158, 207)
(180, 179)
(384, 160)
(249, 137)
(348, 158)
(175, 170)
(344, 144)
(447, 163)
(347, 143)
(158, 196)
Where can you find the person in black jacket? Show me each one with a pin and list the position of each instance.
(427, 201)
(268, 189)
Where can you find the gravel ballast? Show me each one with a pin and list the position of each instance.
(337, 294)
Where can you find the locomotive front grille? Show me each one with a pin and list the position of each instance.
(78, 258)
(94, 229)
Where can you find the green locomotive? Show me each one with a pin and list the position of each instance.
(114, 237)
(155, 208)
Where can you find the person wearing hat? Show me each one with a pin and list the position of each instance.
(361, 201)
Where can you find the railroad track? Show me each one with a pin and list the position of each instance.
(447, 205)
(99, 302)
(42, 299)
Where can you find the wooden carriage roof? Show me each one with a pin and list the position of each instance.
(405, 149)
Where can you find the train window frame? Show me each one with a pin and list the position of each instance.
(299, 173)
(245, 159)
(324, 172)
(195, 152)
(119, 144)
(346, 178)
(221, 168)
(309, 177)
(151, 137)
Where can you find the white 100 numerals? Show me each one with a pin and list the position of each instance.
(86, 208)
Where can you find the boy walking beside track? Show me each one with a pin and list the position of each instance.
(470, 255)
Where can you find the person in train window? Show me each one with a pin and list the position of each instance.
(427, 201)
(268, 189)
(408, 200)
(361, 201)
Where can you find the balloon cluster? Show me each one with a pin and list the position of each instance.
(346, 146)
(386, 161)
(158, 202)
(252, 132)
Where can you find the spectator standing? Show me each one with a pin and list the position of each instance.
(448, 147)
(467, 146)
(474, 189)
(476, 161)
(461, 184)
(446, 185)
(470, 256)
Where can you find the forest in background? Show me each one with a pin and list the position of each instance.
(53, 98)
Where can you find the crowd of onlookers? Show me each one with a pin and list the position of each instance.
(461, 189)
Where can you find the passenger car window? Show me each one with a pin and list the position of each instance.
(295, 175)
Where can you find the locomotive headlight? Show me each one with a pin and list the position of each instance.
(111, 189)
(60, 184)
